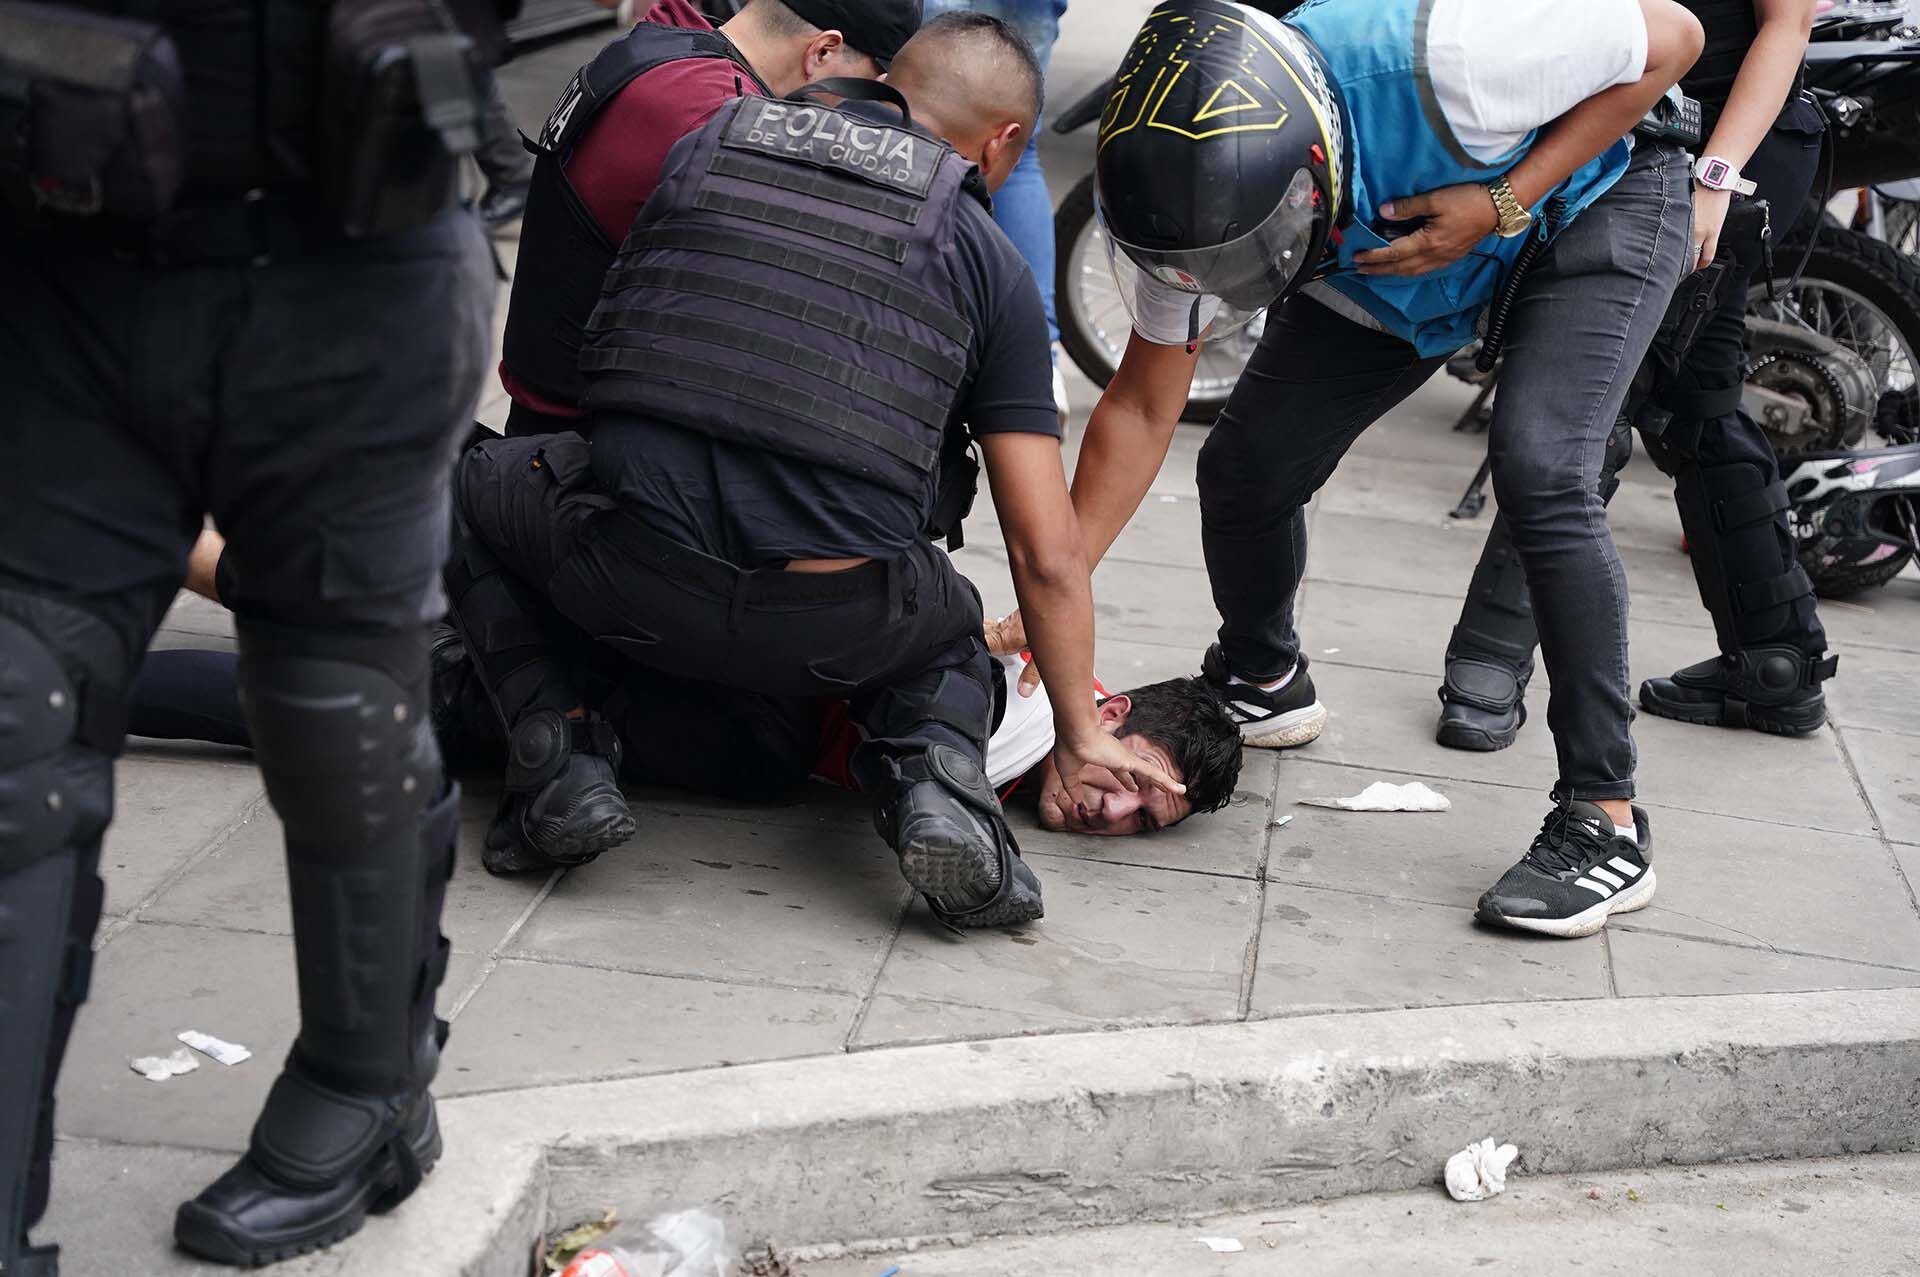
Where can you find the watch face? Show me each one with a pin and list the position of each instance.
(1713, 173)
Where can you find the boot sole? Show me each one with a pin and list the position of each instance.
(1759, 718)
(204, 1235)
(584, 837)
(1476, 740)
(947, 866)
(1587, 921)
(1290, 730)
(1021, 906)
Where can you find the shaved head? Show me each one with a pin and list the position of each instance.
(974, 80)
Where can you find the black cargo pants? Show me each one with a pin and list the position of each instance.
(741, 661)
(311, 405)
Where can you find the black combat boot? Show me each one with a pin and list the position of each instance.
(463, 718)
(563, 804)
(1482, 702)
(1770, 689)
(945, 822)
(351, 768)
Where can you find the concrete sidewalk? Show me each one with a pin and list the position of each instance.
(725, 935)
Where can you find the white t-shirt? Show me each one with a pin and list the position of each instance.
(1500, 69)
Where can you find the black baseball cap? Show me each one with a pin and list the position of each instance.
(876, 28)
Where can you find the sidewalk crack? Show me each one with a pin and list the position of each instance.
(1250, 960)
(1873, 813)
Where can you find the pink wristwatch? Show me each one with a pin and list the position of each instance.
(1716, 174)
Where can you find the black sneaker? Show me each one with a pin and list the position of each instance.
(1281, 719)
(1577, 874)
(1770, 689)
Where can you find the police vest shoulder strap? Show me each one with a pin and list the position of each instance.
(647, 46)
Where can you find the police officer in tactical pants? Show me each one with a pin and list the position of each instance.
(1772, 659)
(804, 325)
(237, 356)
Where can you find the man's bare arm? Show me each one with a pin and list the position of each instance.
(1056, 599)
(1127, 439)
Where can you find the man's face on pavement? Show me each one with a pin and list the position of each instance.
(1098, 804)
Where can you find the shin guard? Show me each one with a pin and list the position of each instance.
(62, 717)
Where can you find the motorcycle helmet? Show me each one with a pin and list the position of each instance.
(1855, 515)
(1222, 164)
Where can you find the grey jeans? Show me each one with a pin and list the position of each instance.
(1581, 322)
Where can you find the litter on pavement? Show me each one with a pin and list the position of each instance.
(1383, 796)
(1222, 1245)
(1479, 1171)
(158, 1068)
(208, 1045)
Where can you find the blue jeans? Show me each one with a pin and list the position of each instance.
(1022, 207)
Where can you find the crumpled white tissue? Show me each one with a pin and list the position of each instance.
(1384, 796)
(1478, 1171)
(158, 1068)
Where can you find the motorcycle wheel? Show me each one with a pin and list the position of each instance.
(1095, 326)
(1864, 294)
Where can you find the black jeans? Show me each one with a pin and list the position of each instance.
(901, 641)
(1496, 622)
(1579, 326)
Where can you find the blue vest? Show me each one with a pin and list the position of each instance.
(1402, 145)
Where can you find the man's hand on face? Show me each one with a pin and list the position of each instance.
(1455, 218)
(1097, 803)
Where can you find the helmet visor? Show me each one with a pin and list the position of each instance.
(1247, 274)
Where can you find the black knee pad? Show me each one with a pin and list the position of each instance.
(62, 719)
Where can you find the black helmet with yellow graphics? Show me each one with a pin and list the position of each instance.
(1222, 161)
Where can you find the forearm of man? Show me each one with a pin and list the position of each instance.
(1127, 440)
(1674, 39)
(1050, 575)
(1765, 79)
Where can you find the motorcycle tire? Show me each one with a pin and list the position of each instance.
(1842, 580)
(1073, 219)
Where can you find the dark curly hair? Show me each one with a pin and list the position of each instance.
(1188, 719)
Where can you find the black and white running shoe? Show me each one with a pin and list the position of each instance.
(1287, 716)
(1577, 874)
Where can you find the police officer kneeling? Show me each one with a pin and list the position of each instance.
(806, 323)
(237, 283)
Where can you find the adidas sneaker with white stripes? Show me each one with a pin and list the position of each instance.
(1579, 872)
(1287, 716)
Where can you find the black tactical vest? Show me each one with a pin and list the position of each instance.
(791, 287)
(563, 252)
(1731, 26)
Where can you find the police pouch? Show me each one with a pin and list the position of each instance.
(400, 103)
(92, 114)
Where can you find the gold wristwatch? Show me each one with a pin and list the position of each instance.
(1514, 218)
